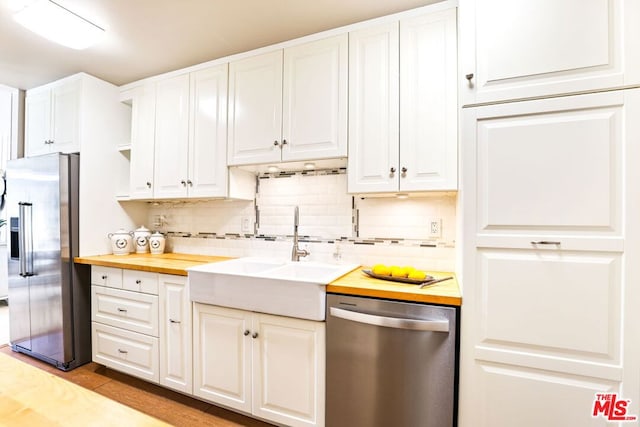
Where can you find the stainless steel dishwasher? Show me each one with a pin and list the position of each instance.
(390, 363)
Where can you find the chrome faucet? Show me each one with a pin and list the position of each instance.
(296, 252)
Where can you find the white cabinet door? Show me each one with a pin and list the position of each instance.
(171, 137)
(545, 259)
(315, 100)
(53, 118)
(208, 133)
(222, 356)
(175, 334)
(65, 112)
(37, 122)
(428, 102)
(521, 49)
(288, 366)
(374, 110)
(142, 142)
(255, 109)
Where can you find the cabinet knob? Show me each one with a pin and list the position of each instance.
(246, 332)
(183, 182)
(122, 351)
(190, 183)
(148, 184)
(392, 170)
(469, 76)
(122, 310)
(284, 142)
(404, 171)
(138, 281)
(255, 335)
(174, 321)
(276, 143)
(104, 277)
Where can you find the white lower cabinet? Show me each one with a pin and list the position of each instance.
(175, 332)
(129, 352)
(124, 322)
(265, 365)
(548, 260)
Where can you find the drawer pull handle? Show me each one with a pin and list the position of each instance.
(138, 281)
(104, 277)
(122, 310)
(255, 335)
(122, 351)
(174, 321)
(545, 242)
(246, 332)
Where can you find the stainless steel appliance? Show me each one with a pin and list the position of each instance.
(390, 363)
(49, 296)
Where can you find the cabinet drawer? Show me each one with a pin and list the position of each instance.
(129, 352)
(106, 276)
(140, 281)
(133, 311)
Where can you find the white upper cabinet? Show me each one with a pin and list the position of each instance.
(374, 109)
(314, 119)
(403, 105)
(255, 109)
(428, 102)
(53, 117)
(289, 105)
(522, 49)
(143, 112)
(171, 137)
(179, 129)
(207, 168)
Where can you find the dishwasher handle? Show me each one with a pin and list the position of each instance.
(391, 322)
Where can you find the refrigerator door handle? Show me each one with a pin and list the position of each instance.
(25, 239)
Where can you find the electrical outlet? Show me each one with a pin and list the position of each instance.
(435, 227)
(245, 225)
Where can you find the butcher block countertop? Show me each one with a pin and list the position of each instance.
(354, 283)
(359, 284)
(33, 397)
(169, 263)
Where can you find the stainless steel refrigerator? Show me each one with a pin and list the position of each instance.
(49, 295)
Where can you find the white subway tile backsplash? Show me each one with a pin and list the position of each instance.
(326, 213)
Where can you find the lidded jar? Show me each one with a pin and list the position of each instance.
(141, 239)
(121, 243)
(156, 243)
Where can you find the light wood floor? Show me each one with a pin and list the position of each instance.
(173, 408)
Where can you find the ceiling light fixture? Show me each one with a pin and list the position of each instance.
(273, 169)
(52, 21)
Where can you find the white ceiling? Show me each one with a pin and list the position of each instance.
(148, 37)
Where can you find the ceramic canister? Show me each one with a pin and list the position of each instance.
(141, 239)
(156, 243)
(121, 243)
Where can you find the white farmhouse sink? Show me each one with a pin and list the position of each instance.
(295, 289)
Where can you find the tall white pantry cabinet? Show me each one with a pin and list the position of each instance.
(550, 143)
